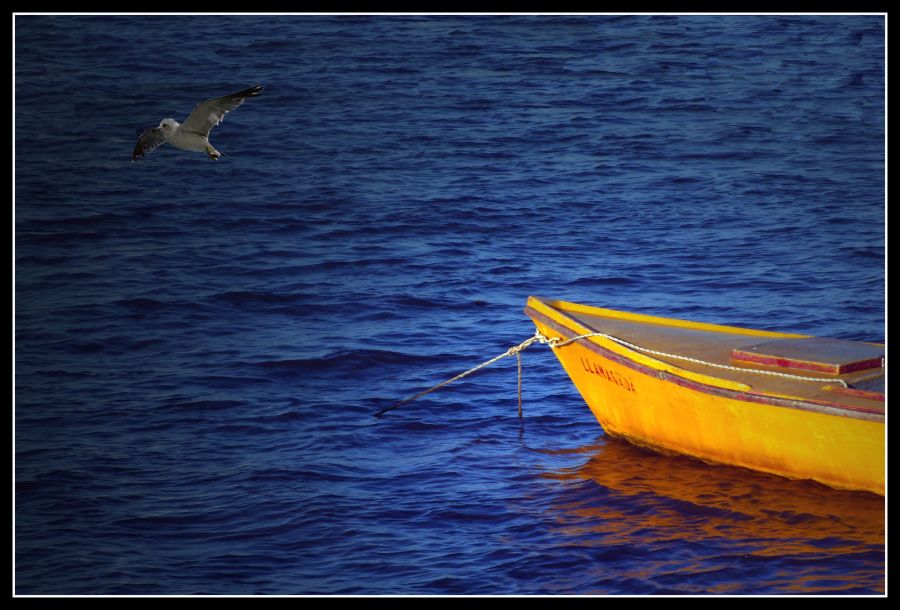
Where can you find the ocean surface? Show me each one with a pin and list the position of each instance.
(200, 346)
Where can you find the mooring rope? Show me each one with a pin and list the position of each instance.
(557, 342)
(727, 367)
(513, 351)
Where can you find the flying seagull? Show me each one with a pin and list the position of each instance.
(193, 134)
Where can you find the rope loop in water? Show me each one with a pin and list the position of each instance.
(513, 351)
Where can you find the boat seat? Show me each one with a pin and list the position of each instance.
(830, 356)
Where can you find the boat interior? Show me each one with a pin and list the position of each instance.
(822, 363)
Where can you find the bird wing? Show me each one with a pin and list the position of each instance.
(208, 114)
(151, 139)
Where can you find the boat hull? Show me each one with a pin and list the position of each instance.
(723, 422)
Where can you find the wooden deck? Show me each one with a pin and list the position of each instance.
(716, 344)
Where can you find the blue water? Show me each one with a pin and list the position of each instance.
(200, 346)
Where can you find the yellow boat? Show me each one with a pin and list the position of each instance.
(793, 405)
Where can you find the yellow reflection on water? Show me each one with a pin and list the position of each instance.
(641, 497)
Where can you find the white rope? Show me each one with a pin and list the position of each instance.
(554, 343)
(513, 351)
(558, 342)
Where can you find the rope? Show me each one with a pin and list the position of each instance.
(557, 342)
(519, 381)
(554, 343)
(513, 351)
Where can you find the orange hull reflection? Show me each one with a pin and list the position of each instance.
(640, 497)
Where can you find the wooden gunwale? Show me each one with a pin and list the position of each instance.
(805, 404)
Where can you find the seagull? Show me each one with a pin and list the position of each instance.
(193, 134)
